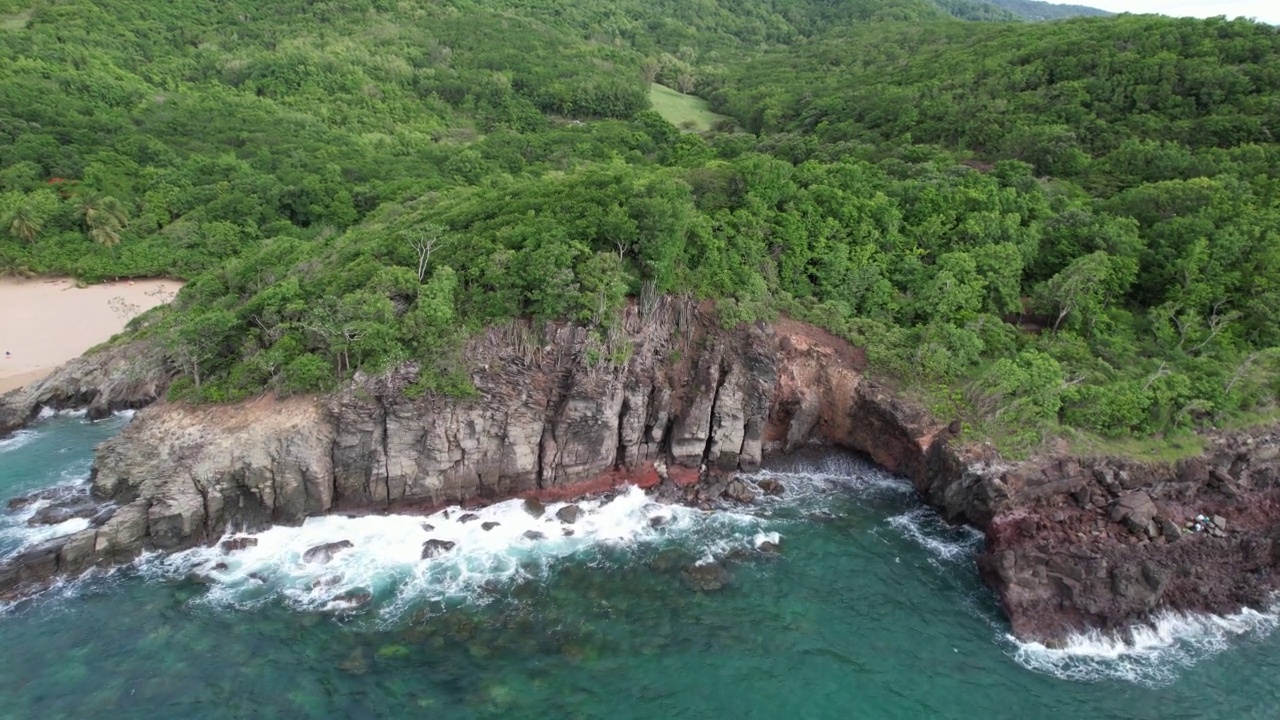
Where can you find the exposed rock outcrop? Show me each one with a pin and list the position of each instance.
(1071, 543)
(126, 376)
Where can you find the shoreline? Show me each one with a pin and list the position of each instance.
(46, 322)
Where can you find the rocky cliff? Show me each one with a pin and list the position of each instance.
(670, 399)
(125, 376)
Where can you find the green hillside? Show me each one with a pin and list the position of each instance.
(1043, 226)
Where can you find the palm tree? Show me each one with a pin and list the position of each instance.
(104, 217)
(24, 224)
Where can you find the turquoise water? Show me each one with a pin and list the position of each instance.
(872, 609)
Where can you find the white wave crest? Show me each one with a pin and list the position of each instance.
(385, 559)
(16, 440)
(47, 412)
(943, 542)
(1151, 654)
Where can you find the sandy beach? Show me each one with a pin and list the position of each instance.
(46, 322)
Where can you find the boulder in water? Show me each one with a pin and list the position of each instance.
(706, 577)
(324, 553)
(569, 513)
(567, 531)
(658, 521)
(534, 535)
(240, 543)
(351, 600)
(436, 548)
(771, 486)
(489, 525)
(534, 507)
(468, 517)
(259, 577)
(738, 491)
(428, 527)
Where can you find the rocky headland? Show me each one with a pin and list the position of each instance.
(1071, 543)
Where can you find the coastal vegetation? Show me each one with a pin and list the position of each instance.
(1049, 228)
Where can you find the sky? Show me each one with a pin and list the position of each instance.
(1267, 11)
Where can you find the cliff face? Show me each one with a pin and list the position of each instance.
(553, 418)
(1071, 544)
(1075, 544)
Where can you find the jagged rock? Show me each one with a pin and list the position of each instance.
(324, 553)
(569, 514)
(489, 525)
(1168, 528)
(738, 491)
(468, 517)
(534, 535)
(1136, 511)
(1219, 522)
(534, 507)
(58, 514)
(706, 577)
(240, 543)
(771, 486)
(436, 548)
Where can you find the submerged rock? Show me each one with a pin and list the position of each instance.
(350, 600)
(234, 544)
(489, 525)
(534, 535)
(658, 521)
(769, 546)
(324, 553)
(706, 577)
(58, 514)
(569, 514)
(436, 548)
(428, 527)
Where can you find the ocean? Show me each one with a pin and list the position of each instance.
(870, 608)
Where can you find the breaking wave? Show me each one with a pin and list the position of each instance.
(1151, 654)
(378, 565)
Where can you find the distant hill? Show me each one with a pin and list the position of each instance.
(1037, 10)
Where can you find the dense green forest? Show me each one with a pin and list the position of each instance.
(1067, 227)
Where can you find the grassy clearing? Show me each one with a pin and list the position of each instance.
(687, 112)
(1166, 449)
(15, 21)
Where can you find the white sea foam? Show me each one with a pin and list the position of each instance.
(385, 558)
(1151, 654)
(47, 412)
(16, 440)
(17, 536)
(943, 542)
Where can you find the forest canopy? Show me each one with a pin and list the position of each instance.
(1044, 226)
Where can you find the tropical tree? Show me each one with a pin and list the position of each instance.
(24, 224)
(104, 217)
